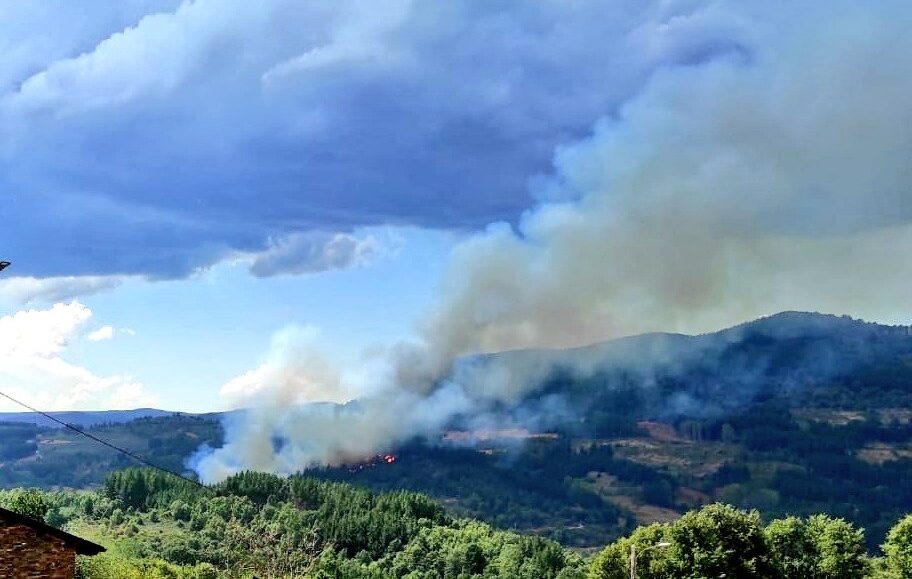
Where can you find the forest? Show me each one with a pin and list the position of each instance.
(821, 424)
(157, 526)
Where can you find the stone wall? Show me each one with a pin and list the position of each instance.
(27, 553)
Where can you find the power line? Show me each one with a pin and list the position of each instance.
(123, 451)
(134, 456)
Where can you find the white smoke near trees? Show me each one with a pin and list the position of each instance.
(294, 372)
(771, 180)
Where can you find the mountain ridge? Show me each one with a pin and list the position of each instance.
(84, 418)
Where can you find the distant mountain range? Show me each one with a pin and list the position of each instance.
(798, 358)
(774, 355)
(84, 418)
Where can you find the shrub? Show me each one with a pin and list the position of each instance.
(29, 502)
(898, 548)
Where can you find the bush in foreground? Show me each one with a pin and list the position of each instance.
(721, 541)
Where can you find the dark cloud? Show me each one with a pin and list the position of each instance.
(314, 252)
(158, 139)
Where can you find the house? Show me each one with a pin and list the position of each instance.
(31, 549)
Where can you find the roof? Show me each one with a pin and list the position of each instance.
(81, 546)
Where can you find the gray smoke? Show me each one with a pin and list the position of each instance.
(777, 179)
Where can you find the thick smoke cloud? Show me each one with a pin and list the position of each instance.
(722, 192)
(771, 178)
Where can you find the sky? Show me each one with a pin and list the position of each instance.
(197, 192)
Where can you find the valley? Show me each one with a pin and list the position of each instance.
(797, 437)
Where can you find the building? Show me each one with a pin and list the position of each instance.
(31, 549)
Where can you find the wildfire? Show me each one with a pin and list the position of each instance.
(373, 461)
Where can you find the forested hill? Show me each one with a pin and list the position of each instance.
(82, 418)
(156, 526)
(792, 414)
(796, 357)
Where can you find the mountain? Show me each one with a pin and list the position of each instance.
(817, 359)
(83, 418)
(794, 413)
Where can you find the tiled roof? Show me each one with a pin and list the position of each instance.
(81, 546)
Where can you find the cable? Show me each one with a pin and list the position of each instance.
(136, 457)
(132, 455)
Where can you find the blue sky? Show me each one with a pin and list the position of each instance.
(209, 329)
(183, 339)
(196, 193)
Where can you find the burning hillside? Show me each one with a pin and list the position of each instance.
(374, 461)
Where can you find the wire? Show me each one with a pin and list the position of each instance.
(123, 451)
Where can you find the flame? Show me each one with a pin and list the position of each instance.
(373, 461)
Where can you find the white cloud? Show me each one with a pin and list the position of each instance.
(26, 290)
(33, 368)
(148, 59)
(107, 333)
(101, 334)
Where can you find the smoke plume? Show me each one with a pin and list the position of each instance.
(771, 179)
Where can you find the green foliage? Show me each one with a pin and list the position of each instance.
(538, 488)
(266, 526)
(613, 562)
(255, 525)
(840, 548)
(29, 502)
(140, 488)
(55, 457)
(259, 487)
(898, 548)
(113, 566)
(818, 548)
(792, 547)
(471, 549)
(720, 541)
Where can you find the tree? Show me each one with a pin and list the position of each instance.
(819, 548)
(840, 548)
(719, 540)
(898, 548)
(29, 502)
(613, 562)
(793, 552)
